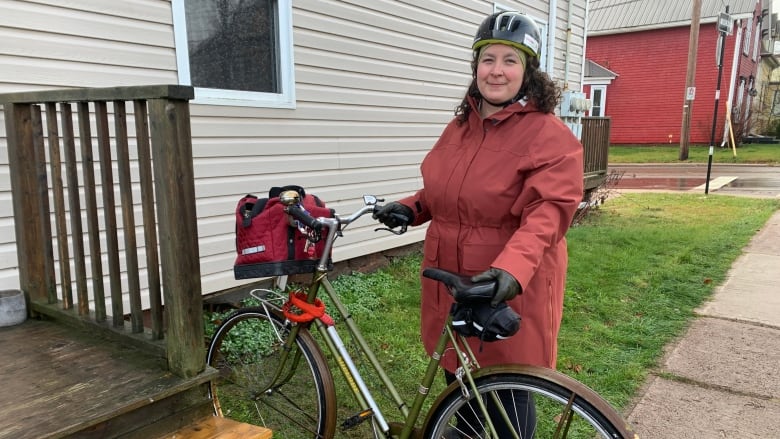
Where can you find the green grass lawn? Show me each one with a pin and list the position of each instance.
(638, 267)
(750, 153)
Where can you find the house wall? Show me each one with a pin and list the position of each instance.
(646, 100)
(766, 120)
(376, 82)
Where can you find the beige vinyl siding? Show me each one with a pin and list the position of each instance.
(80, 43)
(375, 84)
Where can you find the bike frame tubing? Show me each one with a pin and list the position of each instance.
(361, 341)
(362, 393)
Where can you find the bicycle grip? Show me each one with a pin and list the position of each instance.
(303, 216)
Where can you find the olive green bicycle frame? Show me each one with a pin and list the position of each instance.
(363, 396)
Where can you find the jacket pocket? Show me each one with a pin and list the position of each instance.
(478, 257)
(430, 298)
(431, 251)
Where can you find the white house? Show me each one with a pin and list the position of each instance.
(341, 97)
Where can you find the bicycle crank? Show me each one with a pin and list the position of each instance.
(357, 419)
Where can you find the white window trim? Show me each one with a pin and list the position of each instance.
(285, 99)
(757, 40)
(740, 96)
(603, 99)
(747, 42)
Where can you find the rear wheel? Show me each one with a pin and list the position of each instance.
(296, 400)
(538, 402)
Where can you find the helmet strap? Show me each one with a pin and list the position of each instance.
(505, 103)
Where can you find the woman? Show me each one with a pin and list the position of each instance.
(500, 188)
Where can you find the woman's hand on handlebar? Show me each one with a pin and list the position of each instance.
(394, 215)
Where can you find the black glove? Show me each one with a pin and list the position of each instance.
(394, 214)
(507, 287)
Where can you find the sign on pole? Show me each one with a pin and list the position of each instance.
(725, 23)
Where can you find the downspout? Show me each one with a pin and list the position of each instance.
(584, 46)
(551, 27)
(567, 54)
(732, 81)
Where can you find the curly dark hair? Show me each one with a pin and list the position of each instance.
(537, 87)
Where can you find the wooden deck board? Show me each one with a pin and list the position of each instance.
(220, 428)
(57, 380)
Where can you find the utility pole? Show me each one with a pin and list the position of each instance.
(690, 79)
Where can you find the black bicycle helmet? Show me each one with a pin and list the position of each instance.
(512, 28)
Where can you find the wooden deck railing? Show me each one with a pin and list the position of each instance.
(595, 142)
(71, 152)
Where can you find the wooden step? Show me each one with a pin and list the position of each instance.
(216, 427)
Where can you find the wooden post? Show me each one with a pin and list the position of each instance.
(178, 234)
(23, 172)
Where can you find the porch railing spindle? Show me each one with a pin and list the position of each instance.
(150, 226)
(128, 217)
(58, 194)
(90, 206)
(39, 154)
(109, 213)
(82, 297)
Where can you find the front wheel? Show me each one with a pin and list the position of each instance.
(295, 399)
(539, 403)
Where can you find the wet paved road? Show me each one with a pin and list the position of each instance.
(745, 180)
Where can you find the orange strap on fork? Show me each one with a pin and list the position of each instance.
(298, 310)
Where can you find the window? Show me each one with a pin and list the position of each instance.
(776, 103)
(737, 110)
(748, 41)
(757, 41)
(598, 96)
(236, 52)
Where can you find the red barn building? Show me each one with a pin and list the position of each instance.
(637, 56)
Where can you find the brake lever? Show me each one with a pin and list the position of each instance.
(395, 232)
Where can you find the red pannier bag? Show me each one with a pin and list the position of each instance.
(268, 242)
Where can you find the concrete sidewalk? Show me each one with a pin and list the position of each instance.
(722, 378)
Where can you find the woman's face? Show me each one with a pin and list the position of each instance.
(499, 73)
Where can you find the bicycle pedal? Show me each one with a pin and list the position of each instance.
(357, 419)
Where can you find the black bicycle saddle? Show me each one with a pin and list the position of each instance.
(461, 287)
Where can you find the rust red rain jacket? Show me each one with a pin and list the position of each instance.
(501, 192)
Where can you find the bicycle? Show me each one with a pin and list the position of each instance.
(273, 370)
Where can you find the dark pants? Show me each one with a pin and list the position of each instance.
(519, 406)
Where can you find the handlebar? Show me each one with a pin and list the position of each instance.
(340, 221)
(301, 215)
(335, 224)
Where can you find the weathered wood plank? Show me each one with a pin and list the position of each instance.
(63, 248)
(595, 143)
(141, 114)
(102, 94)
(21, 160)
(59, 381)
(109, 213)
(128, 218)
(69, 144)
(179, 254)
(90, 207)
(42, 189)
(215, 427)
